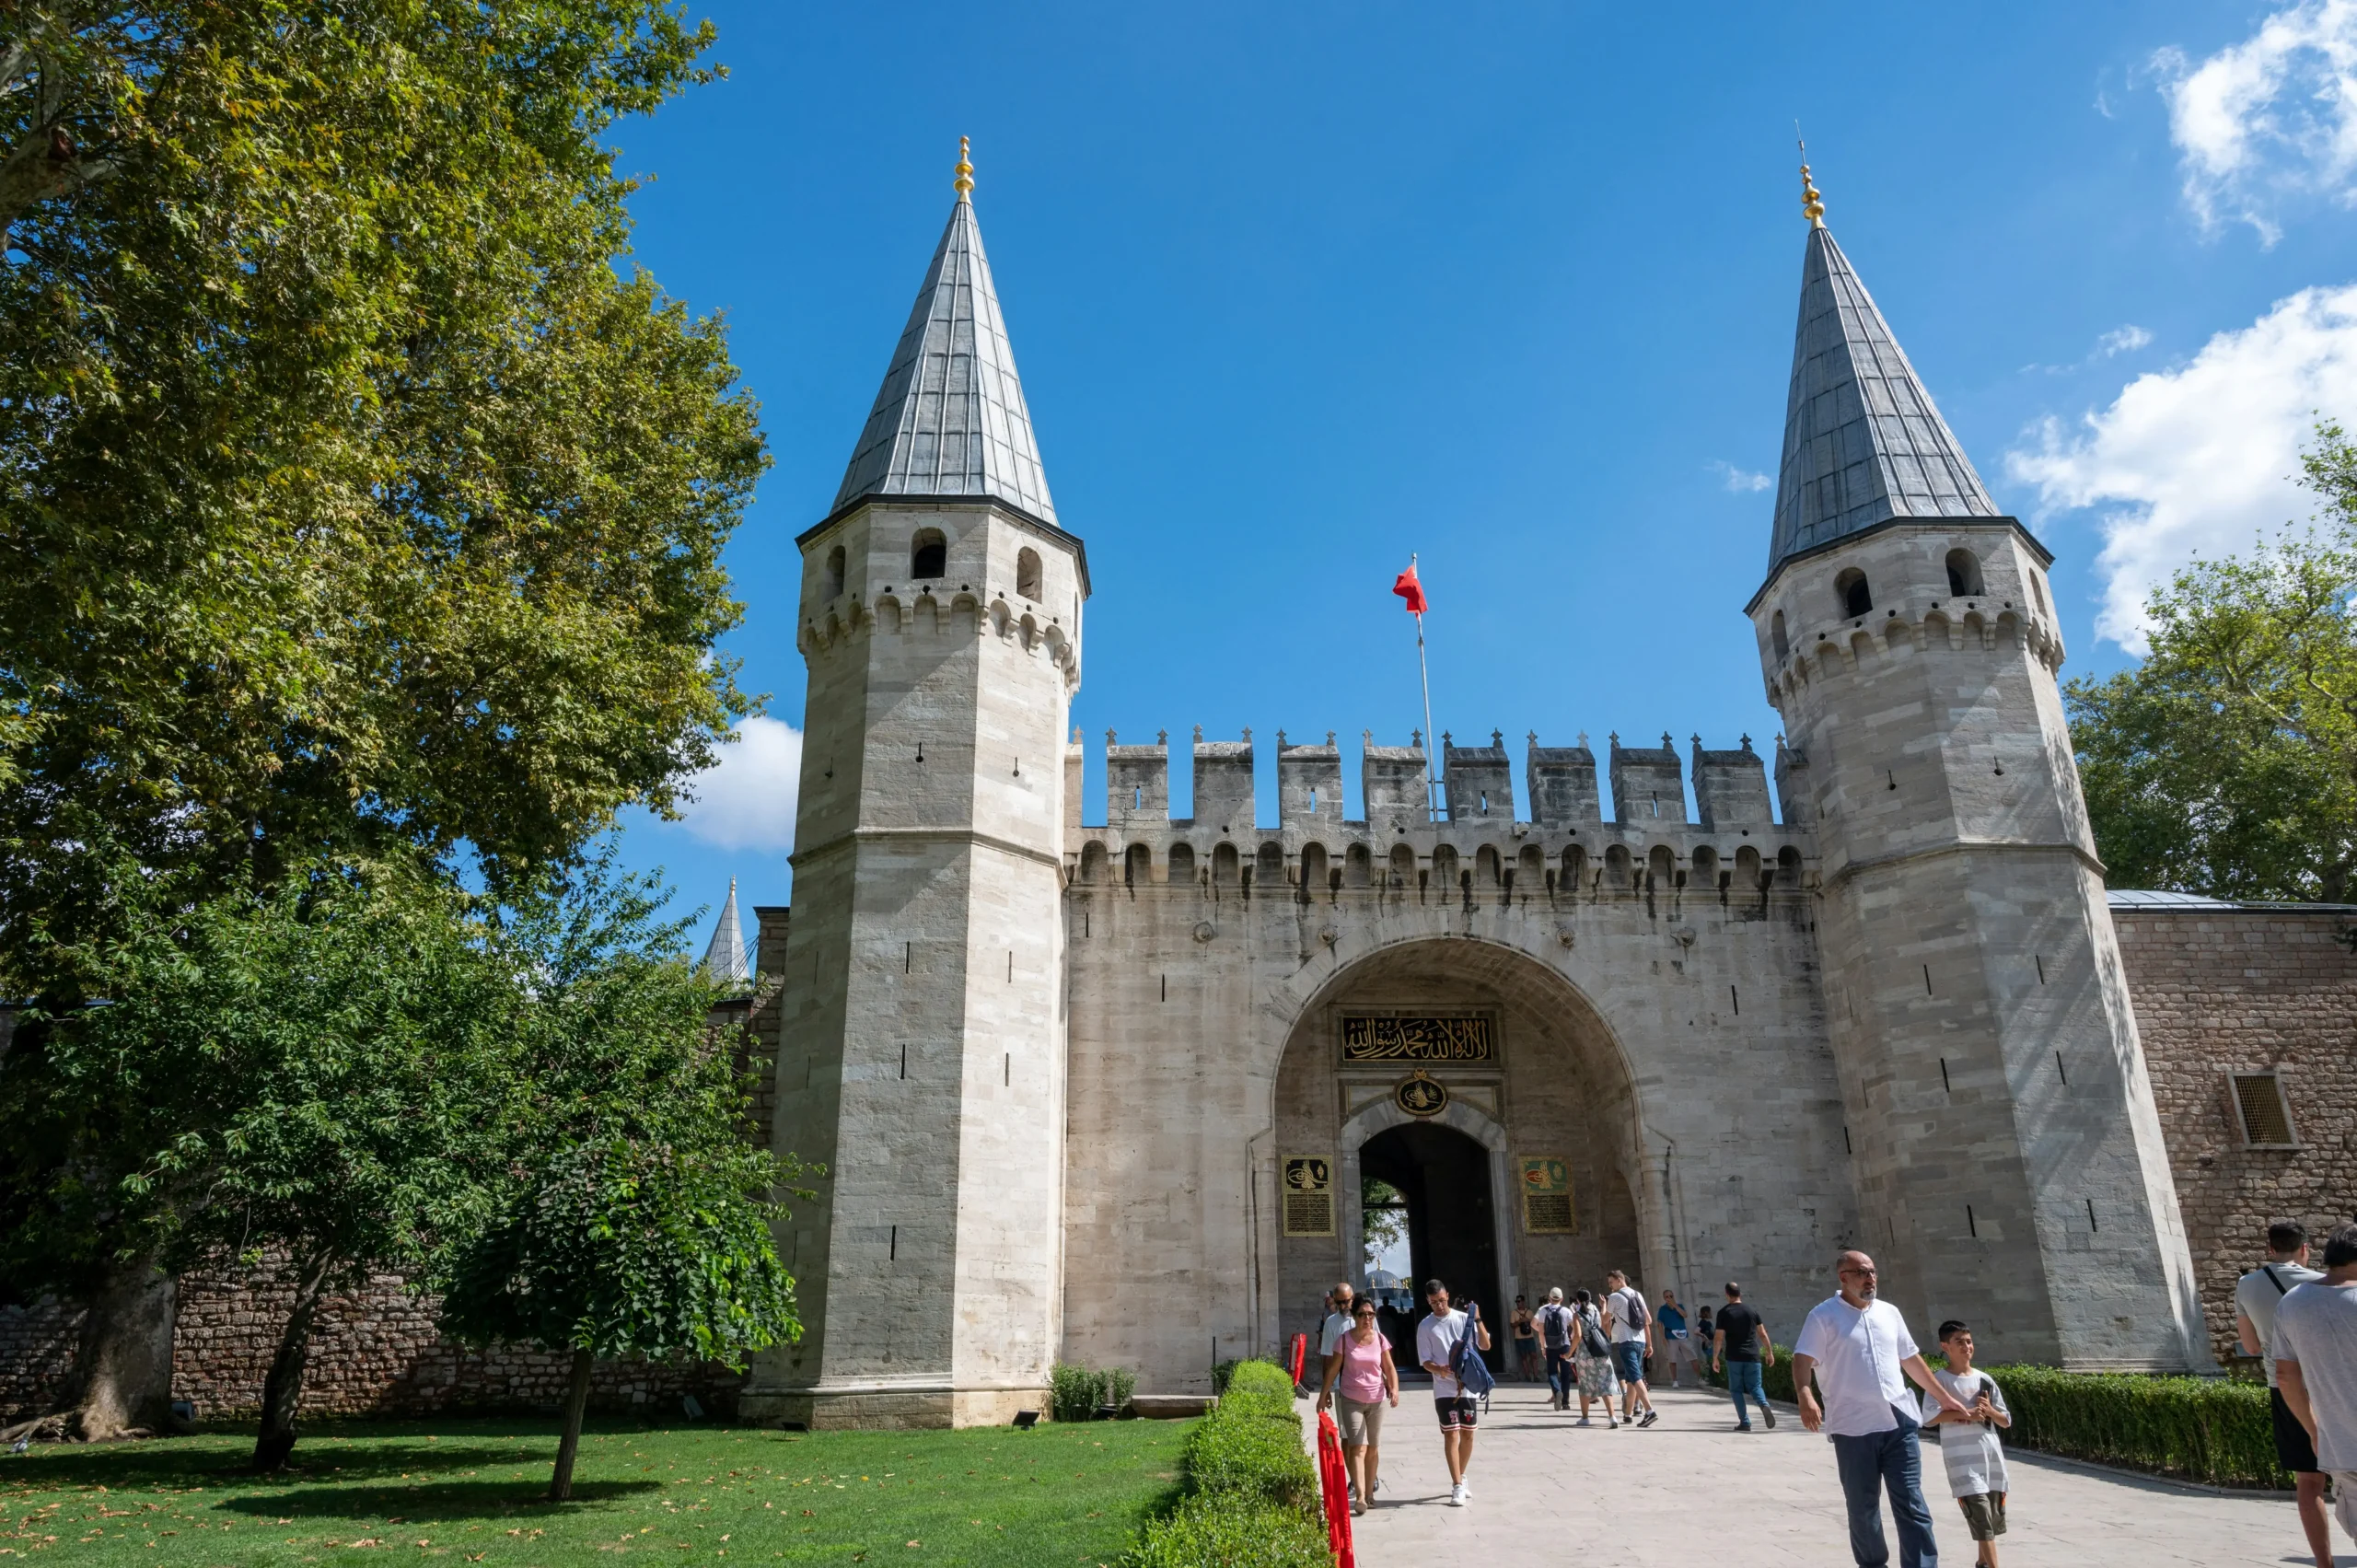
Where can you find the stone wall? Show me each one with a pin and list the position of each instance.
(2225, 990)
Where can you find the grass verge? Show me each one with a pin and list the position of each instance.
(470, 1492)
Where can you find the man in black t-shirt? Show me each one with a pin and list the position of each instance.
(1737, 1344)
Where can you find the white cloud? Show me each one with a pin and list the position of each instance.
(2269, 118)
(746, 800)
(2121, 340)
(1743, 482)
(2199, 459)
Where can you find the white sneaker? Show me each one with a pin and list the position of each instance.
(1467, 1488)
(1582, 1422)
(1457, 1495)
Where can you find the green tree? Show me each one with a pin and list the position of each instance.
(2226, 764)
(641, 1225)
(323, 1073)
(354, 506)
(628, 1247)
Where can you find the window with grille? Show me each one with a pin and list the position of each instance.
(2267, 1115)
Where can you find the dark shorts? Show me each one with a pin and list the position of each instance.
(1456, 1411)
(2292, 1444)
(1984, 1515)
(1629, 1357)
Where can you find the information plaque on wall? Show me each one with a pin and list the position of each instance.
(1546, 1196)
(1418, 1039)
(1308, 1195)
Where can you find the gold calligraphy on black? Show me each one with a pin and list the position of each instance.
(1417, 1040)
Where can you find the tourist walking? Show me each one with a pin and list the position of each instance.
(1525, 1340)
(1558, 1331)
(1632, 1341)
(1677, 1348)
(1361, 1379)
(2314, 1346)
(1740, 1346)
(2256, 1294)
(1593, 1361)
(1969, 1450)
(1857, 1347)
(1437, 1338)
(1338, 1319)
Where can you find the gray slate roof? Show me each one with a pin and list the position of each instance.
(950, 419)
(1863, 442)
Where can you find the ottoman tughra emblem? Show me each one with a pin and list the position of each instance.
(1419, 1095)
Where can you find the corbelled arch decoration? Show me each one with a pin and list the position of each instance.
(1532, 1072)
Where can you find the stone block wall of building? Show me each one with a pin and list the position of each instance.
(2221, 990)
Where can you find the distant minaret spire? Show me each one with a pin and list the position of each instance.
(965, 180)
(1812, 203)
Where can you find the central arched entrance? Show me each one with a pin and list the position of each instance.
(1480, 1088)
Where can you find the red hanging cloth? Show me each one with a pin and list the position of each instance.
(1409, 587)
(1300, 1352)
(1334, 1483)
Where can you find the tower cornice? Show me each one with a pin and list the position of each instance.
(2004, 524)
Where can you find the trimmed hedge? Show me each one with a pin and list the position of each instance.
(1252, 1492)
(2213, 1430)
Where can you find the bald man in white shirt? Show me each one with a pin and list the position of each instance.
(1859, 1350)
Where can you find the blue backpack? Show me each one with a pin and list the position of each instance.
(1465, 1363)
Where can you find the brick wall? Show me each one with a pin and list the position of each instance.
(2220, 991)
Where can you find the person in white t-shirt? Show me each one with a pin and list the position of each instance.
(1969, 1450)
(2256, 1295)
(2315, 1363)
(1858, 1348)
(1631, 1323)
(1338, 1319)
(1436, 1340)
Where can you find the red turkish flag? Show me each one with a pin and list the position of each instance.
(1408, 587)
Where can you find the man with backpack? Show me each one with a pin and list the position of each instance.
(1448, 1344)
(1632, 1340)
(1558, 1331)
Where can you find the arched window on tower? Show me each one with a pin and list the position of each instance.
(1964, 575)
(929, 555)
(1776, 635)
(835, 572)
(1026, 573)
(1851, 588)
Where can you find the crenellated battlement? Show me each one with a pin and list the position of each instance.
(1731, 841)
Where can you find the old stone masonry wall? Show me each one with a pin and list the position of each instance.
(2235, 1005)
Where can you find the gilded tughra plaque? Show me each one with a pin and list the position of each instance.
(1308, 1195)
(1418, 1039)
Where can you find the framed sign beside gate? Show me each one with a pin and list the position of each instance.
(1547, 1208)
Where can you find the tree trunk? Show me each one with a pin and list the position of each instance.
(576, 1405)
(124, 1364)
(283, 1389)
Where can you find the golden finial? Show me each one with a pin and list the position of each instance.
(965, 180)
(1812, 203)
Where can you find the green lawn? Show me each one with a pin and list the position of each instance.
(470, 1491)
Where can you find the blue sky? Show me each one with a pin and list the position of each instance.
(1294, 294)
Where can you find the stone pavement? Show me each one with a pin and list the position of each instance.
(1692, 1492)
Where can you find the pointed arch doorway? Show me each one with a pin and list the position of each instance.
(1454, 1071)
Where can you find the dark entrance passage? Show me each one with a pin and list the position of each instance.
(1444, 1177)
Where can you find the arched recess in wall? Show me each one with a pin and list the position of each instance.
(1358, 867)
(1137, 866)
(1850, 590)
(1784, 644)
(1093, 861)
(1026, 573)
(928, 555)
(1313, 868)
(1562, 1088)
(1444, 866)
(1268, 870)
(1485, 866)
(1182, 864)
(1964, 575)
(835, 567)
(1225, 865)
(1403, 865)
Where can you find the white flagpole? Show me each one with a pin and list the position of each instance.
(1432, 778)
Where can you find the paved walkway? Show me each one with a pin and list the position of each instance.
(1691, 1490)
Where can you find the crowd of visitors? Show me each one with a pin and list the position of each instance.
(1851, 1363)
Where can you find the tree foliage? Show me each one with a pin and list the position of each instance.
(2226, 762)
(351, 504)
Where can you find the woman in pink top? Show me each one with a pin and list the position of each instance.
(1360, 1372)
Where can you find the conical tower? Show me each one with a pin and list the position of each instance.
(725, 958)
(922, 1030)
(2003, 1133)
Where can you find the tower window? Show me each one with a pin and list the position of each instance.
(2266, 1115)
(1964, 575)
(929, 555)
(1026, 573)
(2037, 587)
(835, 572)
(1776, 635)
(1851, 588)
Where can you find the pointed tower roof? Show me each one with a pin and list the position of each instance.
(1863, 441)
(950, 419)
(725, 959)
